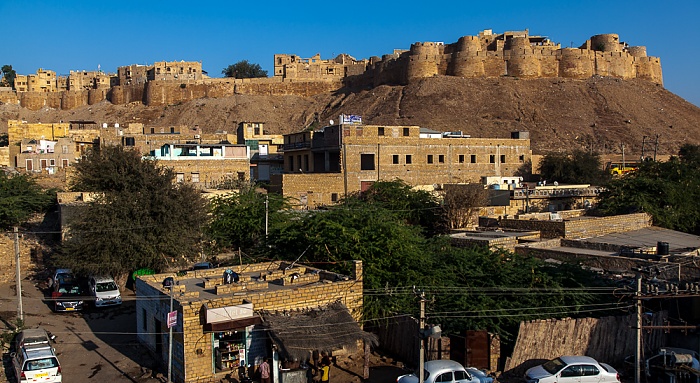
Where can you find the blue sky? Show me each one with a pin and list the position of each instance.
(80, 35)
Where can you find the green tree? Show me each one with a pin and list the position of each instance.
(142, 218)
(8, 76)
(244, 69)
(238, 218)
(574, 167)
(668, 191)
(20, 197)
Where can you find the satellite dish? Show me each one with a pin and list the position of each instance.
(331, 122)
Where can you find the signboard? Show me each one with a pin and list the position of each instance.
(230, 313)
(350, 119)
(172, 319)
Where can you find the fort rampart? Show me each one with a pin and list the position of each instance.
(516, 54)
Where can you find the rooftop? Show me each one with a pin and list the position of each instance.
(195, 285)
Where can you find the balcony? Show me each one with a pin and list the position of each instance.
(297, 146)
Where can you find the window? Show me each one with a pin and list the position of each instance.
(195, 177)
(291, 163)
(180, 177)
(366, 161)
(256, 131)
(153, 130)
(473, 159)
(571, 371)
(589, 370)
(172, 129)
(241, 176)
(503, 158)
(65, 163)
(441, 158)
(461, 375)
(430, 158)
(129, 141)
(334, 197)
(299, 161)
(461, 158)
(446, 377)
(306, 162)
(521, 158)
(409, 159)
(406, 132)
(64, 149)
(52, 162)
(395, 159)
(492, 158)
(380, 131)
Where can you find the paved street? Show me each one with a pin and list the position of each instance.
(95, 344)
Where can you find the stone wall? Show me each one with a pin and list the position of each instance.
(7, 258)
(581, 228)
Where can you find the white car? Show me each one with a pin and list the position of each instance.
(572, 369)
(104, 291)
(36, 363)
(444, 371)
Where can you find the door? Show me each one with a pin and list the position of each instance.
(264, 172)
(44, 164)
(30, 165)
(571, 374)
(365, 185)
(477, 349)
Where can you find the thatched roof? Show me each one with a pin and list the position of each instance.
(326, 328)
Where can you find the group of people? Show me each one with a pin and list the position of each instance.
(321, 374)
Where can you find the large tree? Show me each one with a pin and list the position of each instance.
(669, 191)
(573, 167)
(20, 197)
(244, 69)
(141, 217)
(239, 218)
(8, 76)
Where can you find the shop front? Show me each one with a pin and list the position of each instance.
(238, 342)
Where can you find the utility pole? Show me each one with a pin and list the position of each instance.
(170, 336)
(20, 311)
(644, 141)
(656, 146)
(421, 325)
(623, 156)
(638, 348)
(266, 215)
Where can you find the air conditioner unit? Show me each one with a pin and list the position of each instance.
(196, 136)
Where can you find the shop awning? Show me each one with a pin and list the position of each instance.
(326, 328)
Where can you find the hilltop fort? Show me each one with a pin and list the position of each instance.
(514, 54)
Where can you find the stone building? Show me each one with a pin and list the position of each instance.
(218, 325)
(265, 150)
(86, 80)
(175, 71)
(43, 81)
(294, 67)
(132, 74)
(324, 165)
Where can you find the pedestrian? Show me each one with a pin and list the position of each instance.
(325, 371)
(265, 372)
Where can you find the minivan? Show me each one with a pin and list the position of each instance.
(104, 291)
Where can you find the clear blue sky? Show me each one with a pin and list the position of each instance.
(69, 35)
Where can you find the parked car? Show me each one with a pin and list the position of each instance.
(67, 293)
(203, 266)
(445, 371)
(33, 337)
(573, 369)
(104, 291)
(34, 360)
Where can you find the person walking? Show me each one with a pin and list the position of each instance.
(265, 372)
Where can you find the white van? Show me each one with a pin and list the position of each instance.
(104, 291)
(36, 363)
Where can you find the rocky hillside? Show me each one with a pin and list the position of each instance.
(598, 113)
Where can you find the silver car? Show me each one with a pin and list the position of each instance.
(572, 369)
(445, 371)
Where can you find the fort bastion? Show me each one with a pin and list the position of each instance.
(514, 53)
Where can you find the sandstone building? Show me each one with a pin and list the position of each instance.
(218, 326)
(324, 165)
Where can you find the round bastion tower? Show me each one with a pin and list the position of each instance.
(423, 60)
(467, 60)
(522, 62)
(609, 42)
(576, 63)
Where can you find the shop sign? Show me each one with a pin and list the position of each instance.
(172, 319)
(230, 313)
